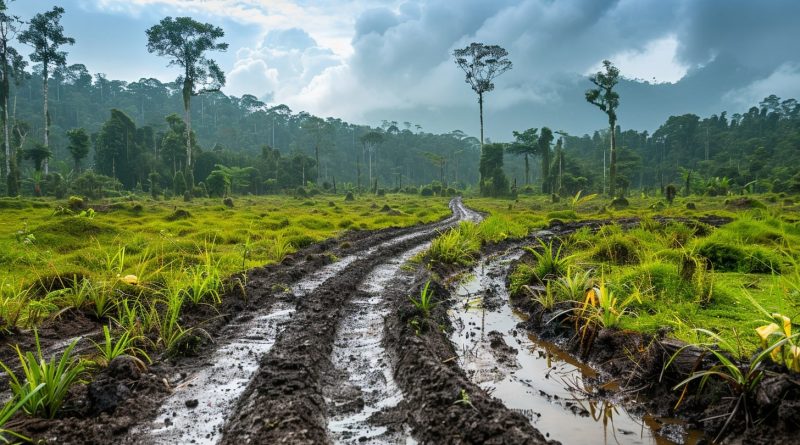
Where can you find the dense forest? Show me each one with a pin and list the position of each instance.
(136, 129)
(109, 135)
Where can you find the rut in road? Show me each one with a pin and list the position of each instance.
(203, 400)
(363, 392)
(284, 402)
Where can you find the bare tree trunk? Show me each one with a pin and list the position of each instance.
(480, 105)
(46, 121)
(613, 160)
(187, 104)
(6, 138)
(527, 170)
(319, 167)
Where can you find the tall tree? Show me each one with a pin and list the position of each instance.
(525, 143)
(185, 41)
(370, 141)
(79, 143)
(482, 64)
(38, 154)
(46, 35)
(605, 98)
(319, 131)
(545, 139)
(11, 64)
(439, 161)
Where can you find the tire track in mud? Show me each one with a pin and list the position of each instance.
(365, 385)
(201, 403)
(285, 402)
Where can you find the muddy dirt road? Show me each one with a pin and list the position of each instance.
(310, 366)
(328, 348)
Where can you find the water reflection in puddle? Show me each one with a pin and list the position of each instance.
(536, 378)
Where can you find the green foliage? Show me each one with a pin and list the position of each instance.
(617, 249)
(79, 144)
(546, 299)
(579, 200)
(563, 215)
(45, 384)
(550, 263)
(730, 257)
(457, 246)
(12, 407)
(572, 286)
(124, 345)
(178, 184)
(602, 308)
(493, 180)
(205, 280)
(424, 303)
(670, 193)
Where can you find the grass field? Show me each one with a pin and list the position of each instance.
(163, 242)
(677, 277)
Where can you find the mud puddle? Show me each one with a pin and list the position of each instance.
(359, 354)
(554, 391)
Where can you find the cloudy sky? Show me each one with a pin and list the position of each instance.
(369, 60)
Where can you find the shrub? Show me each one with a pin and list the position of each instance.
(179, 214)
(75, 203)
(301, 192)
(228, 201)
(616, 249)
(619, 203)
(349, 197)
(381, 192)
(426, 191)
(729, 257)
(670, 193)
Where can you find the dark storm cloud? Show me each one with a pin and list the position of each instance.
(730, 49)
(761, 35)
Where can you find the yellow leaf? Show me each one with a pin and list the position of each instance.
(133, 280)
(765, 331)
(777, 355)
(786, 321)
(794, 355)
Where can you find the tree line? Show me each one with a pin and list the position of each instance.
(64, 123)
(757, 151)
(66, 129)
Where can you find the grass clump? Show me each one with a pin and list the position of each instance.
(619, 249)
(457, 246)
(728, 257)
(424, 303)
(44, 384)
(563, 215)
(550, 262)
